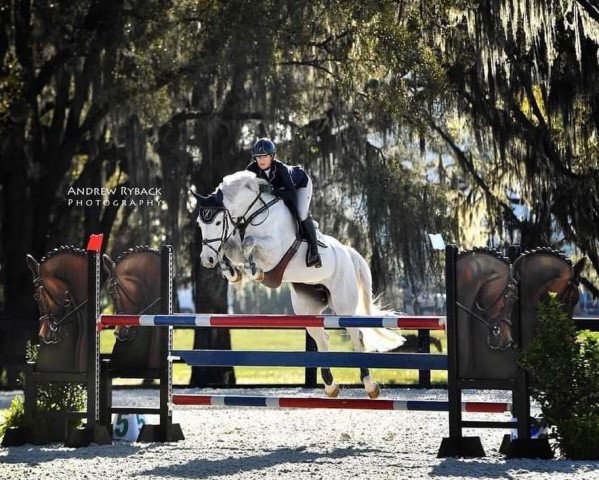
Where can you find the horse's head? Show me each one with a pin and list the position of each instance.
(216, 227)
(487, 295)
(242, 190)
(60, 285)
(133, 284)
(543, 271)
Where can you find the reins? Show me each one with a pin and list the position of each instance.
(49, 316)
(491, 326)
(241, 223)
(116, 284)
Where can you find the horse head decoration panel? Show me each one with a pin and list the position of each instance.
(539, 272)
(60, 290)
(495, 300)
(134, 286)
(485, 297)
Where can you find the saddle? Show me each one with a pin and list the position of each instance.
(274, 277)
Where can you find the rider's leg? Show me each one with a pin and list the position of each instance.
(312, 256)
(304, 196)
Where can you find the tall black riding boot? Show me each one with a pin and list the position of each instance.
(312, 255)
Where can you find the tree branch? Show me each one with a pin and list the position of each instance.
(469, 167)
(592, 10)
(590, 287)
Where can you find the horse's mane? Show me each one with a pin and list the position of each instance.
(235, 182)
(544, 251)
(135, 250)
(63, 250)
(487, 250)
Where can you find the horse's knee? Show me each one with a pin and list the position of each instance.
(319, 334)
(356, 339)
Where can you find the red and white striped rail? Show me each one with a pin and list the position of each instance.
(345, 403)
(273, 321)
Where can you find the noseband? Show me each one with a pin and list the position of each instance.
(54, 320)
(208, 219)
(508, 295)
(207, 214)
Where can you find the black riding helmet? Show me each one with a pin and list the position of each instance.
(264, 146)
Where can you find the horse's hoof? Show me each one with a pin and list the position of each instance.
(332, 390)
(376, 392)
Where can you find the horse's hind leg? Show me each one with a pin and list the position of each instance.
(321, 337)
(306, 304)
(372, 388)
(344, 301)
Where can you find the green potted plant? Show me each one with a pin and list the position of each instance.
(564, 369)
(51, 397)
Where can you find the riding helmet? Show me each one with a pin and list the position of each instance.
(264, 146)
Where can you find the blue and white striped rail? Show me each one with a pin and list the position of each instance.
(345, 403)
(240, 358)
(274, 321)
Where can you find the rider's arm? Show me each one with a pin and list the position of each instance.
(284, 187)
(283, 182)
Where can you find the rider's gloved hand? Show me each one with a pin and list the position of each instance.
(266, 188)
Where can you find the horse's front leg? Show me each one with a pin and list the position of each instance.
(321, 337)
(228, 271)
(372, 388)
(251, 269)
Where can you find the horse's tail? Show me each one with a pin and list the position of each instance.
(374, 339)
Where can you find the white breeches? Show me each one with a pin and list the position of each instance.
(304, 196)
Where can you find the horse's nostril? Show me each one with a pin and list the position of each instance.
(211, 260)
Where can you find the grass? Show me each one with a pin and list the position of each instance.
(293, 340)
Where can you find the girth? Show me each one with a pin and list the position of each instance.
(274, 277)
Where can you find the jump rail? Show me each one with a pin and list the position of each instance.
(274, 321)
(232, 358)
(345, 403)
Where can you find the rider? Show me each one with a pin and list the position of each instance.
(293, 185)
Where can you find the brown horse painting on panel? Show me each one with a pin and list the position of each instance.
(539, 272)
(60, 290)
(134, 285)
(487, 313)
(484, 300)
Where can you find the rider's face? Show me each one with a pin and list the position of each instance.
(264, 161)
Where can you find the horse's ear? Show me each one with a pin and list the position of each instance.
(108, 265)
(199, 198)
(33, 265)
(578, 268)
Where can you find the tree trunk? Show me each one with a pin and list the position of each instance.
(19, 318)
(210, 297)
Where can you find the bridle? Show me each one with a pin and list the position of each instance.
(494, 322)
(114, 287)
(51, 319)
(503, 317)
(565, 296)
(239, 224)
(224, 235)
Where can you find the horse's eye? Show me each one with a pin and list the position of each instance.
(218, 223)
